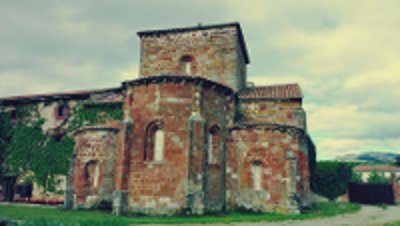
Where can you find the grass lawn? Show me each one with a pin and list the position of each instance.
(45, 216)
(397, 223)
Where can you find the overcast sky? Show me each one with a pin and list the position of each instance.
(344, 54)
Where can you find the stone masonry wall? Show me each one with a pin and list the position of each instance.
(159, 187)
(180, 182)
(275, 112)
(217, 111)
(93, 179)
(214, 53)
(273, 151)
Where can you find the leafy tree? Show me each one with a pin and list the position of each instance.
(331, 178)
(50, 160)
(5, 136)
(25, 141)
(30, 152)
(376, 178)
(398, 160)
(356, 177)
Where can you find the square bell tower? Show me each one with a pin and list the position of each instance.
(216, 52)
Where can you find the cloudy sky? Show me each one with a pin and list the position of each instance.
(344, 54)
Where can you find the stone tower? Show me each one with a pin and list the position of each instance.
(216, 52)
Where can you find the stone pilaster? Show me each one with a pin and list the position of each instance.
(119, 195)
(197, 144)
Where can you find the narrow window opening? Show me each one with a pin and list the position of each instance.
(154, 146)
(214, 143)
(256, 170)
(61, 111)
(210, 148)
(92, 173)
(186, 64)
(159, 145)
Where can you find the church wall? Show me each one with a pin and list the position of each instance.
(285, 112)
(94, 163)
(217, 111)
(267, 150)
(214, 54)
(159, 187)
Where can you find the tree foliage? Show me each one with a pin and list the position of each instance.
(29, 151)
(377, 178)
(85, 115)
(25, 141)
(398, 160)
(331, 179)
(50, 160)
(5, 136)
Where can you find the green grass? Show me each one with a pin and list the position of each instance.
(46, 216)
(396, 223)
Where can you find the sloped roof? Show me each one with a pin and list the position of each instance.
(58, 96)
(283, 91)
(378, 168)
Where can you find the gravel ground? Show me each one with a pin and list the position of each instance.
(367, 216)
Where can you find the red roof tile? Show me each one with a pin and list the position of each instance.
(60, 95)
(379, 168)
(284, 91)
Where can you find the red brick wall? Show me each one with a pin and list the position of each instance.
(216, 55)
(277, 112)
(217, 111)
(269, 148)
(163, 187)
(94, 145)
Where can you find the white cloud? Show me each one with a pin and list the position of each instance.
(345, 55)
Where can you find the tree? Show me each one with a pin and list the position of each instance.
(398, 160)
(331, 179)
(31, 152)
(50, 160)
(25, 141)
(356, 177)
(5, 136)
(376, 178)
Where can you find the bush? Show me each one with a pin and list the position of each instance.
(331, 179)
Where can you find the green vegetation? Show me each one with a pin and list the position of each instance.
(48, 216)
(5, 136)
(92, 114)
(30, 152)
(33, 154)
(331, 179)
(396, 223)
(376, 178)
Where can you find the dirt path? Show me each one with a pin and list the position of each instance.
(367, 216)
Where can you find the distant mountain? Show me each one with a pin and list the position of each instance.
(370, 157)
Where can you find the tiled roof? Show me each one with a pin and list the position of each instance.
(56, 96)
(284, 91)
(379, 168)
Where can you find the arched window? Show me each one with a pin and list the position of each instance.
(256, 174)
(92, 173)
(154, 145)
(186, 64)
(214, 145)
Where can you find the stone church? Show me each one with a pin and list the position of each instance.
(195, 136)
